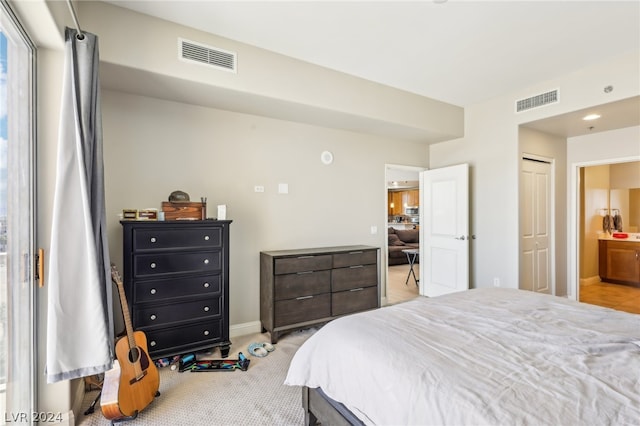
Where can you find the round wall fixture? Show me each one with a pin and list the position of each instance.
(326, 157)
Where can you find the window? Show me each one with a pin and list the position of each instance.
(17, 293)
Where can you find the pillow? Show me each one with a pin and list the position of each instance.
(408, 235)
(395, 241)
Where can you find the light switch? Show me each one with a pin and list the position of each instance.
(283, 188)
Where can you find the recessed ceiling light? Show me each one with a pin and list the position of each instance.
(591, 117)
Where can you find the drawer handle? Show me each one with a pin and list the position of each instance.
(152, 343)
(153, 239)
(206, 309)
(357, 289)
(153, 291)
(206, 238)
(205, 285)
(305, 257)
(304, 297)
(304, 272)
(206, 261)
(153, 317)
(356, 252)
(206, 332)
(356, 266)
(153, 265)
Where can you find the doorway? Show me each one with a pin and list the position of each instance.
(603, 188)
(402, 197)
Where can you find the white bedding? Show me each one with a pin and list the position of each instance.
(480, 357)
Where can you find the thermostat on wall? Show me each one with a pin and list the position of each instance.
(326, 157)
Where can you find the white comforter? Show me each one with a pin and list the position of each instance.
(479, 357)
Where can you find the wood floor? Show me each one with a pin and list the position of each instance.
(397, 290)
(615, 296)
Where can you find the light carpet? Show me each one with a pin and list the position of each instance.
(253, 397)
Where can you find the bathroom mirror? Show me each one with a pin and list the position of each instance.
(627, 203)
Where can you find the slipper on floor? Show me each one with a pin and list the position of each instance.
(268, 346)
(257, 349)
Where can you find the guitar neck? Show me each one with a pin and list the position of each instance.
(125, 313)
(134, 352)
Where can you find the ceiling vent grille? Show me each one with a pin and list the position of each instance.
(207, 55)
(537, 101)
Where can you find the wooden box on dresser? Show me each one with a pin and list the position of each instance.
(176, 279)
(300, 288)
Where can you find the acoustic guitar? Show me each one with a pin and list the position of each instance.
(132, 384)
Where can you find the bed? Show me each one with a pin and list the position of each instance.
(480, 357)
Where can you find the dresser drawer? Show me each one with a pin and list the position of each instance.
(299, 284)
(176, 263)
(289, 265)
(353, 258)
(161, 239)
(354, 277)
(161, 315)
(202, 333)
(175, 288)
(346, 302)
(302, 309)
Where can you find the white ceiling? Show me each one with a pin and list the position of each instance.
(461, 52)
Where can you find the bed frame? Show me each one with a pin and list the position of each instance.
(319, 408)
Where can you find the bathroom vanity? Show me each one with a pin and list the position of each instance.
(619, 259)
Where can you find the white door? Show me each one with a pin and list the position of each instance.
(444, 230)
(535, 226)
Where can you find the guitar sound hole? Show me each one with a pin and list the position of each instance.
(134, 355)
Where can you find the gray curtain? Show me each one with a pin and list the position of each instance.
(80, 319)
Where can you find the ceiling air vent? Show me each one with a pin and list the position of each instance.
(207, 55)
(537, 101)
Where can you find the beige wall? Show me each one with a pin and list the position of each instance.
(625, 175)
(596, 198)
(491, 147)
(153, 147)
(634, 210)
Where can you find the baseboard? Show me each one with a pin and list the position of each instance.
(245, 328)
(590, 280)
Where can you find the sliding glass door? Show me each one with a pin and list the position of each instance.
(17, 293)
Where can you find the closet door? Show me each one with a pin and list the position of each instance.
(535, 226)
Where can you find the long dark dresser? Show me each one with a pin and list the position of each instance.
(176, 279)
(300, 288)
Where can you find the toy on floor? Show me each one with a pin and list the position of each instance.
(194, 366)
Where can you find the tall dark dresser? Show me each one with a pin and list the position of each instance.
(176, 279)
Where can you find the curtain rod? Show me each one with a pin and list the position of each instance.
(75, 20)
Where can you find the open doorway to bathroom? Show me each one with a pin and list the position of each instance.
(402, 206)
(610, 198)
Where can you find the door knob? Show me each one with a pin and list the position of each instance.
(462, 237)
